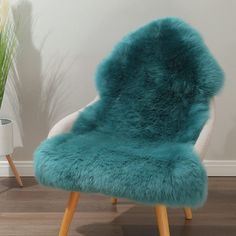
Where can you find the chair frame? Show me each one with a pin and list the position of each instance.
(200, 146)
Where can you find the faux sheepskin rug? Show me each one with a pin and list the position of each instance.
(137, 140)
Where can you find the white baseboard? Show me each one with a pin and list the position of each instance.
(220, 168)
(25, 168)
(214, 168)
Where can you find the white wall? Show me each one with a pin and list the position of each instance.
(63, 40)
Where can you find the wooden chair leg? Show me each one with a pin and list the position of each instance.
(188, 213)
(69, 212)
(14, 170)
(114, 201)
(162, 220)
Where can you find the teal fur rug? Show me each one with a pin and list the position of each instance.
(137, 141)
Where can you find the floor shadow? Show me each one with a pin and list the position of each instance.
(10, 182)
(124, 225)
(4, 190)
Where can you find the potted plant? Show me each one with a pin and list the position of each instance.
(7, 53)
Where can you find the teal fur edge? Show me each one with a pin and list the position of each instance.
(137, 141)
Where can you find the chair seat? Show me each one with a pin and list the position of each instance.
(146, 172)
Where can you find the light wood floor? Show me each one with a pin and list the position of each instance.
(37, 211)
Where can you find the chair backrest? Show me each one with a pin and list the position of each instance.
(156, 85)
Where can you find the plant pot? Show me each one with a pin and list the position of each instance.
(6, 137)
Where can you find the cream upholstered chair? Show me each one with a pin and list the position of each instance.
(201, 145)
(154, 93)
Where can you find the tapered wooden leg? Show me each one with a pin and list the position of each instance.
(69, 212)
(114, 201)
(162, 220)
(14, 170)
(188, 213)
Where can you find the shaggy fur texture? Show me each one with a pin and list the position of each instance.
(137, 141)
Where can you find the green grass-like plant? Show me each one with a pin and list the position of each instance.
(8, 42)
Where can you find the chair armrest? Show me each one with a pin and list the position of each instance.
(205, 134)
(65, 124)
